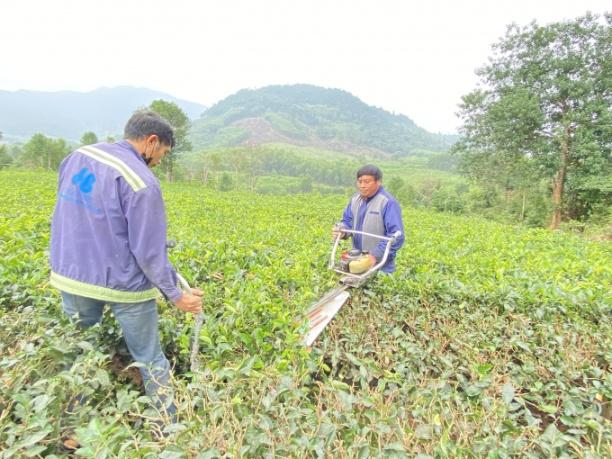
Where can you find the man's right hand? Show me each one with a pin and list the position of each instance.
(190, 303)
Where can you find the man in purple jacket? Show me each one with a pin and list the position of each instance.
(108, 243)
(373, 210)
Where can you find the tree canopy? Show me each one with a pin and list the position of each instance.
(89, 138)
(5, 159)
(543, 111)
(180, 122)
(43, 152)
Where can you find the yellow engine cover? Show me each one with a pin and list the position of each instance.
(361, 265)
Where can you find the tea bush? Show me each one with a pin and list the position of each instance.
(490, 340)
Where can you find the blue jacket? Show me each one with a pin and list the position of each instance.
(108, 232)
(379, 214)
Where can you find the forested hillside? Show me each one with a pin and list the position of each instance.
(312, 116)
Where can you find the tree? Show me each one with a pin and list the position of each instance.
(543, 111)
(395, 185)
(43, 152)
(35, 152)
(89, 138)
(5, 158)
(226, 183)
(305, 185)
(180, 122)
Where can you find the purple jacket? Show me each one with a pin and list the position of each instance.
(380, 214)
(108, 233)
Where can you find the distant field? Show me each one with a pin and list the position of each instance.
(416, 170)
(413, 170)
(418, 176)
(489, 341)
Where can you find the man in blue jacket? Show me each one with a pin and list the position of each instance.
(374, 211)
(108, 243)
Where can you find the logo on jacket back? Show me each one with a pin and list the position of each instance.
(84, 180)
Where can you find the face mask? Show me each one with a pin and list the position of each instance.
(148, 160)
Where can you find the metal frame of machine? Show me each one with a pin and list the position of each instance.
(324, 310)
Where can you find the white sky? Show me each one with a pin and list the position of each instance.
(414, 58)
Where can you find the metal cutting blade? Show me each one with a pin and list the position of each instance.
(323, 311)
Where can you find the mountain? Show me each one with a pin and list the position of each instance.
(69, 114)
(311, 116)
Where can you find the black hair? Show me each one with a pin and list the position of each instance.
(369, 169)
(144, 123)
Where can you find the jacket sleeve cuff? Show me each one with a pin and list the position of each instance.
(173, 295)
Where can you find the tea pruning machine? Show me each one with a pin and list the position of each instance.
(356, 269)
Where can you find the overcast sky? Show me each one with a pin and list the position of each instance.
(409, 57)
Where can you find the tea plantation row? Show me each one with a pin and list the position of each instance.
(490, 340)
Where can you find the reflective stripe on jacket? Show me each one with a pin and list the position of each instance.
(108, 232)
